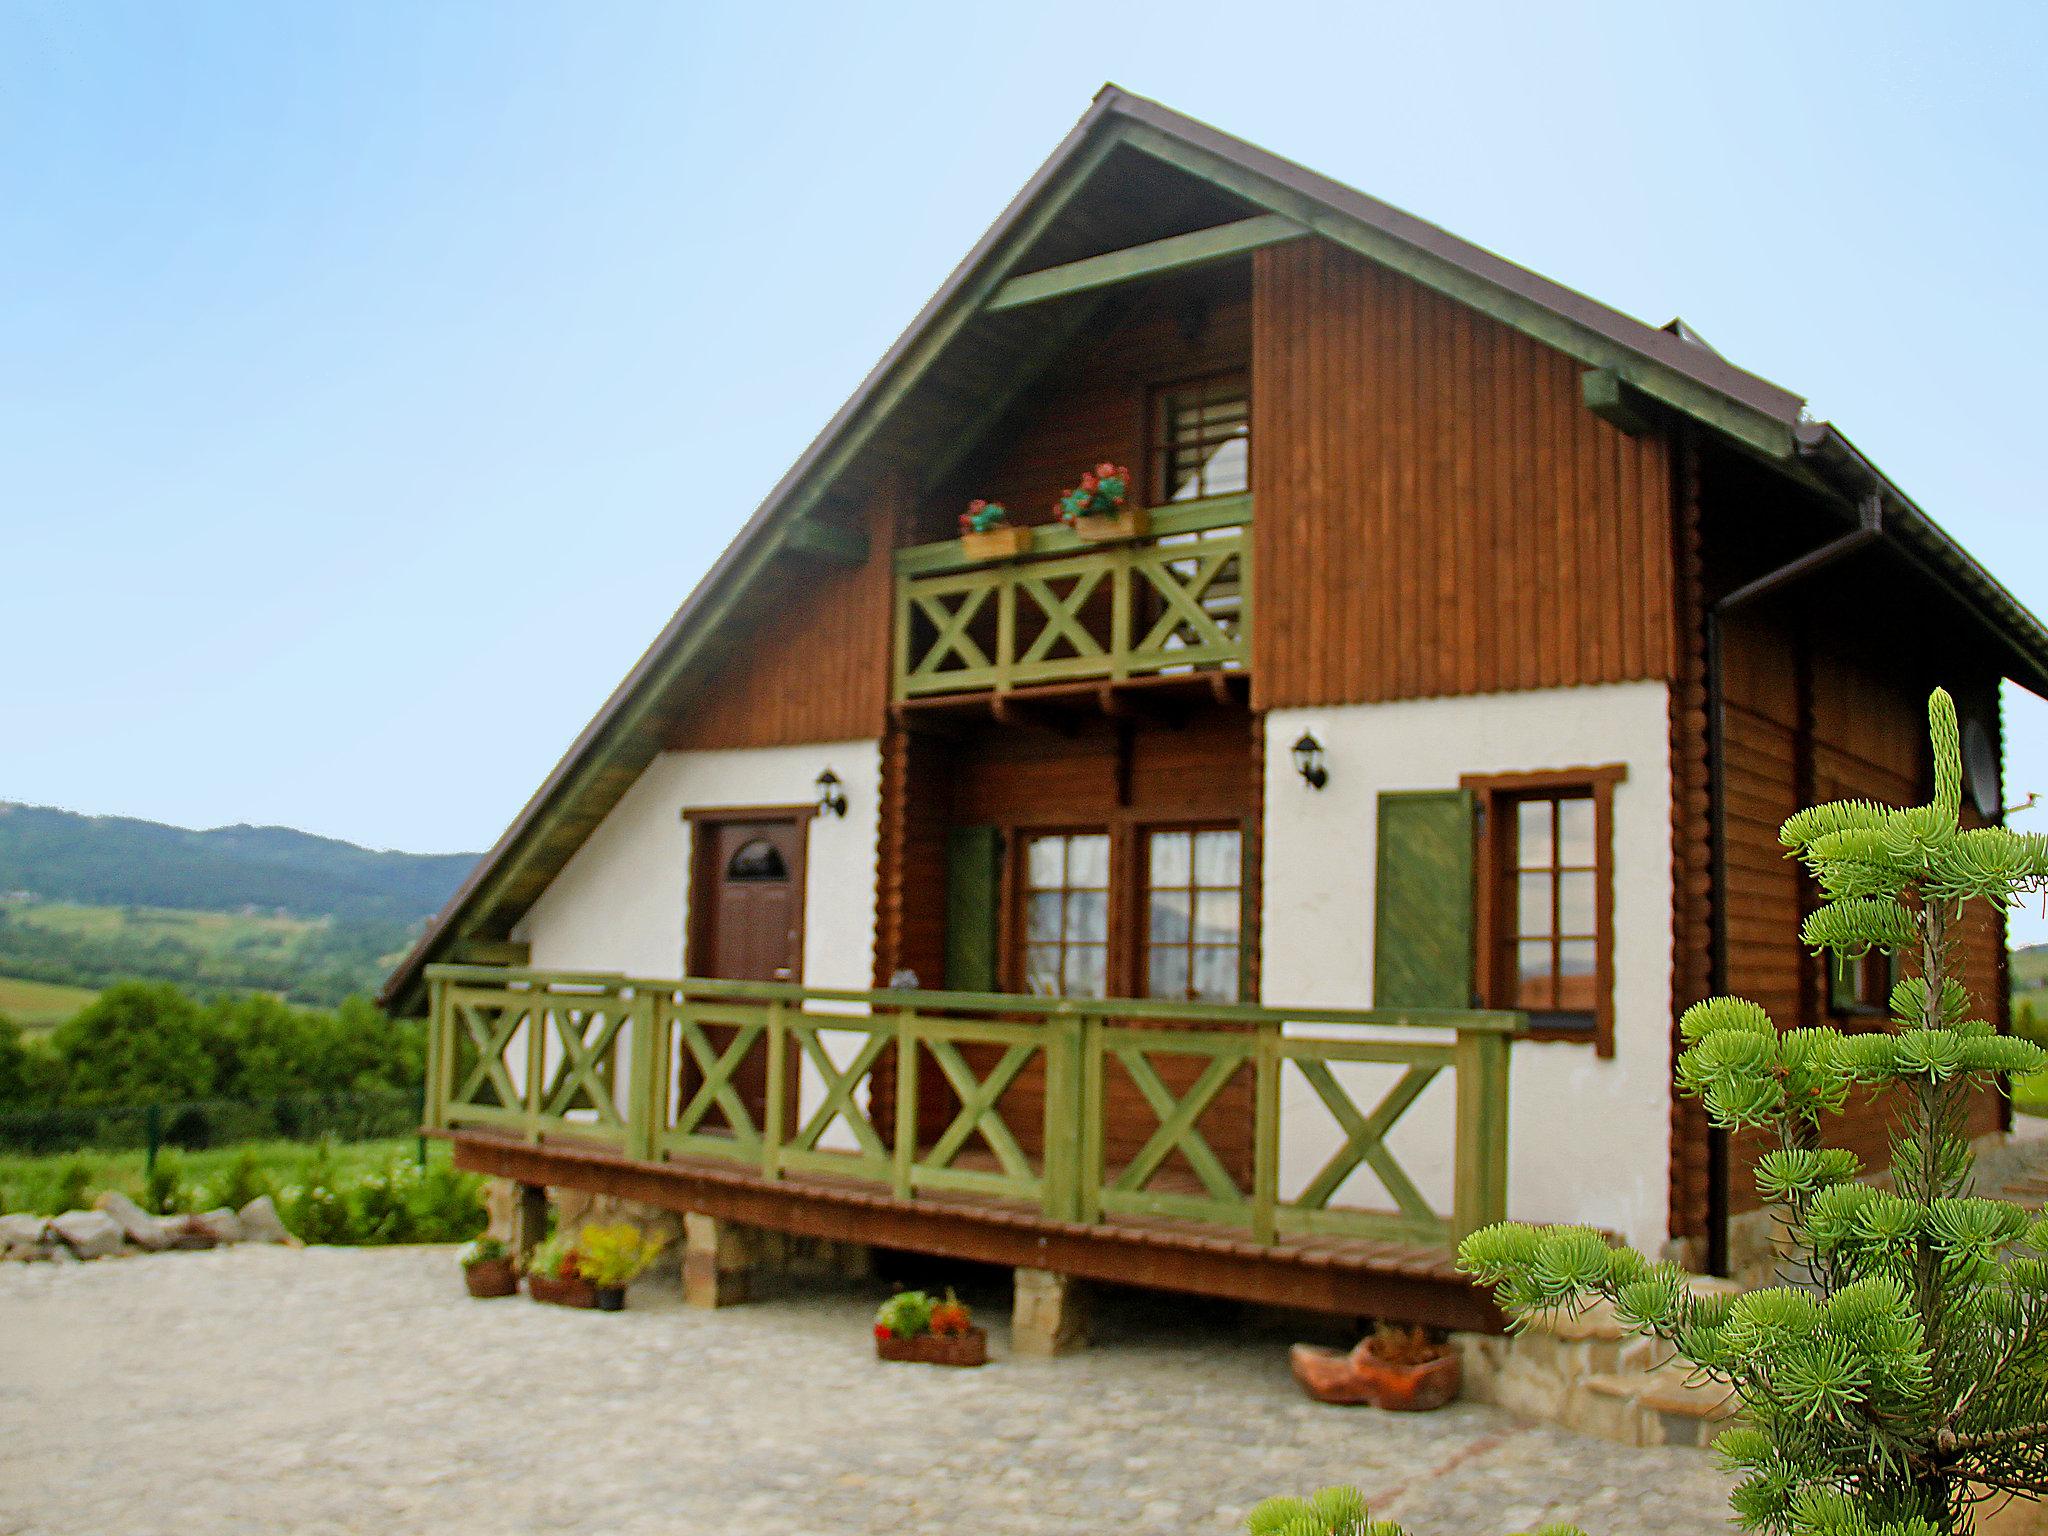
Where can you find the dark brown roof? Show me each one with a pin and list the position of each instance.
(1125, 141)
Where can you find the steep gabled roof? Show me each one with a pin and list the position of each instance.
(1131, 172)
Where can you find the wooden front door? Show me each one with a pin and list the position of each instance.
(746, 924)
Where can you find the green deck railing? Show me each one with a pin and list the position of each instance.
(1085, 1110)
(1177, 599)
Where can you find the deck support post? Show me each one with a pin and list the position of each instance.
(1049, 1315)
(529, 1220)
(716, 1259)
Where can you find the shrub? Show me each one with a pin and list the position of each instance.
(615, 1254)
(163, 1186)
(1337, 1512)
(73, 1189)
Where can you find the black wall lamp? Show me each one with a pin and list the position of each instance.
(1308, 761)
(831, 798)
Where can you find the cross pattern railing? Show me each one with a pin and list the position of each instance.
(1273, 1121)
(1178, 599)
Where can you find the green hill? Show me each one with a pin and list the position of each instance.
(118, 861)
(86, 901)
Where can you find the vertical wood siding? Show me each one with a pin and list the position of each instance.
(1436, 511)
(805, 658)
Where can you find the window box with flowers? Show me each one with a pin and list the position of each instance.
(986, 533)
(1096, 508)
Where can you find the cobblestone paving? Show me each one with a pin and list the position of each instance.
(337, 1390)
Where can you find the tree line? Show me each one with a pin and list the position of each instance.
(144, 1042)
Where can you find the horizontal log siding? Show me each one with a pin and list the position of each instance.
(806, 657)
(1863, 735)
(1437, 513)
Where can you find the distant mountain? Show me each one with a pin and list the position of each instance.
(119, 861)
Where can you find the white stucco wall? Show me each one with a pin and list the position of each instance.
(622, 901)
(1588, 1138)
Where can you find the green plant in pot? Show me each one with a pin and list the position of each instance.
(487, 1268)
(611, 1257)
(554, 1273)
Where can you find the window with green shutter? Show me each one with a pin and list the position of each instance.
(1422, 929)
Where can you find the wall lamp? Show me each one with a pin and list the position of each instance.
(831, 798)
(1308, 761)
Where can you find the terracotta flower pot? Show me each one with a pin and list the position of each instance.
(996, 543)
(1326, 1375)
(574, 1291)
(1407, 1388)
(969, 1348)
(493, 1277)
(1131, 523)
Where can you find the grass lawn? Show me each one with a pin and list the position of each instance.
(2030, 1094)
(40, 1005)
(29, 1183)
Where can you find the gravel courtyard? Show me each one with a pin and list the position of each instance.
(359, 1390)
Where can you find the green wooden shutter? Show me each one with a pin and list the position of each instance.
(973, 880)
(1422, 929)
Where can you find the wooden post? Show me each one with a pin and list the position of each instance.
(775, 1113)
(643, 1079)
(537, 1025)
(529, 1220)
(1266, 1134)
(905, 1129)
(1480, 1193)
(434, 1112)
(1064, 1093)
(1089, 1132)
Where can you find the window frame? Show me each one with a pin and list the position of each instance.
(1494, 871)
(1140, 882)
(1159, 444)
(1018, 925)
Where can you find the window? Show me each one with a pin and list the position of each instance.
(1202, 440)
(1862, 984)
(757, 860)
(1066, 914)
(1544, 900)
(1194, 949)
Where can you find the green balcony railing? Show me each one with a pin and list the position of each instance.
(1177, 599)
(1084, 1110)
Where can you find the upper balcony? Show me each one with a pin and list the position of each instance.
(1173, 602)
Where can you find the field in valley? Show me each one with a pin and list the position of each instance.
(40, 1005)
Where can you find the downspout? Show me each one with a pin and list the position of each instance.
(1869, 528)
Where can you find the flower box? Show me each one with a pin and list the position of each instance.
(1002, 543)
(1131, 523)
(491, 1277)
(1363, 1377)
(574, 1291)
(969, 1348)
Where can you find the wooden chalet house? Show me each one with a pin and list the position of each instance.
(1289, 884)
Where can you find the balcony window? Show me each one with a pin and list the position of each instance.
(1066, 915)
(1202, 439)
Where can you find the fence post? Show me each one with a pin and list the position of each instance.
(1061, 1200)
(1480, 1192)
(641, 1080)
(1266, 1134)
(1089, 1133)
(537, 1024)
(153, 1131)
(775, 1112)
(905, 1150)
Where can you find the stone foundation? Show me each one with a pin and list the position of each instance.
(1049, 1315)
(1590, 1374)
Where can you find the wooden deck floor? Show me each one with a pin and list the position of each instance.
(1344, 1276)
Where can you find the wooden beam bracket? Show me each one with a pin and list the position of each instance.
(1617, 402)
(1176, 253)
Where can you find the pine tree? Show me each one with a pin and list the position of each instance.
(1901, 1375)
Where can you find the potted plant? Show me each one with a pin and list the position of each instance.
(1095, 509)
(554, 1274)
(912, 1326)
(1398, 1367)
(986, 532)
(487, 1268)
(612, 1258)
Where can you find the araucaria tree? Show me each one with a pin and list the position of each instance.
(1901, 1374)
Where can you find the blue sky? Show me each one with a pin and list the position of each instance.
(378, 378)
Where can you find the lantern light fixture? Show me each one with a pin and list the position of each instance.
(831, 797)
(1308, 761)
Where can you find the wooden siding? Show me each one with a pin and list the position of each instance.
(1095, 400)
(1437, 512)
(1803, 726)
(806, 658)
